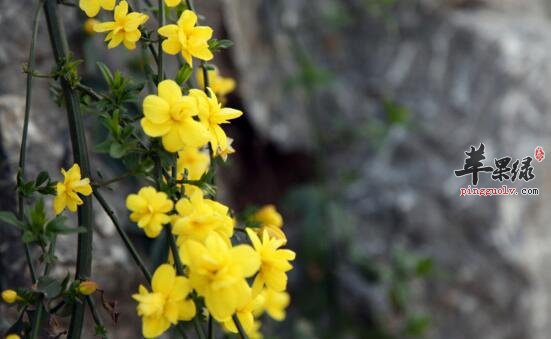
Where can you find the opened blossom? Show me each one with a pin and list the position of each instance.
(186, 38)
(217, 272)
(245, 314)
(149, 210)
(271, 221)
(212, 115)
(166, 304)
(274, 303)
(221, 86)
(224, 152)
(274, 262)
(67, 192)
(169, 115)
(197, 217)
(125, 27)
(193, 161)
(92, 7)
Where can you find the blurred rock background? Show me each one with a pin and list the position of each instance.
(357, 113)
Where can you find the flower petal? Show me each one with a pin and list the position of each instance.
(163, 279)
(154, 130)
(90, 7)
(121, 10)
(156, 109)
(187, 20)
(170, 91)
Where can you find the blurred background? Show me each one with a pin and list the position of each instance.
(357, 112)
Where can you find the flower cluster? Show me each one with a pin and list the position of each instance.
(236, 280)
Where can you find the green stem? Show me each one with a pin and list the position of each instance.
(160, 64)
(210, 328)
(127, 242)
(198, 328)
(51, 251)
(96, 315)
(80, 154)
(189, 5)
(240, 329)
(37, 320)
(206, 81)
(26, 119)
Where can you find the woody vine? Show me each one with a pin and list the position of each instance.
(212, 280)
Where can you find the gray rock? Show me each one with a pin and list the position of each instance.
(467, 74)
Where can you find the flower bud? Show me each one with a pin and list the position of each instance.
(87, 287)
(268, 215)
(9, 296)
(89, 26)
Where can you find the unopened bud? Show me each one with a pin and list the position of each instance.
(87, 287)
(9, 296)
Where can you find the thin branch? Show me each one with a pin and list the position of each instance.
(240, 329)
(96, 315)
(127, 242)
(26, 119)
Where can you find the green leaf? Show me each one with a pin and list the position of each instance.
(42, 178)
(215, 45)
(183, 74)
(107, 75)
(104, 146)
(225, 43)
(117, 150)
(48, 190)
(48, 286)
(37, 217)
(57, 226)
(27, 189)
(10, 218)
(28, 237)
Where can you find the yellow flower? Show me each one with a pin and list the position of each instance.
(217, 272)
(198, 217)
(212, 115)
(221, 86)
(255, 332)
(9, 296)
(87, 287)
(89, 26)
(170, 116)
(172, 3)
(192, 160)
(124, 29)
(92, 7)
(67, 190)
(268, 215)
(270, 220)
(223, 153)
(149, 209)
(166, 304)
(245, 315)
(275, 262)
(274, 303)
(13, 336)
(186, 38)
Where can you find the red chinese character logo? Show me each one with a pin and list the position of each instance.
(539, 154)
